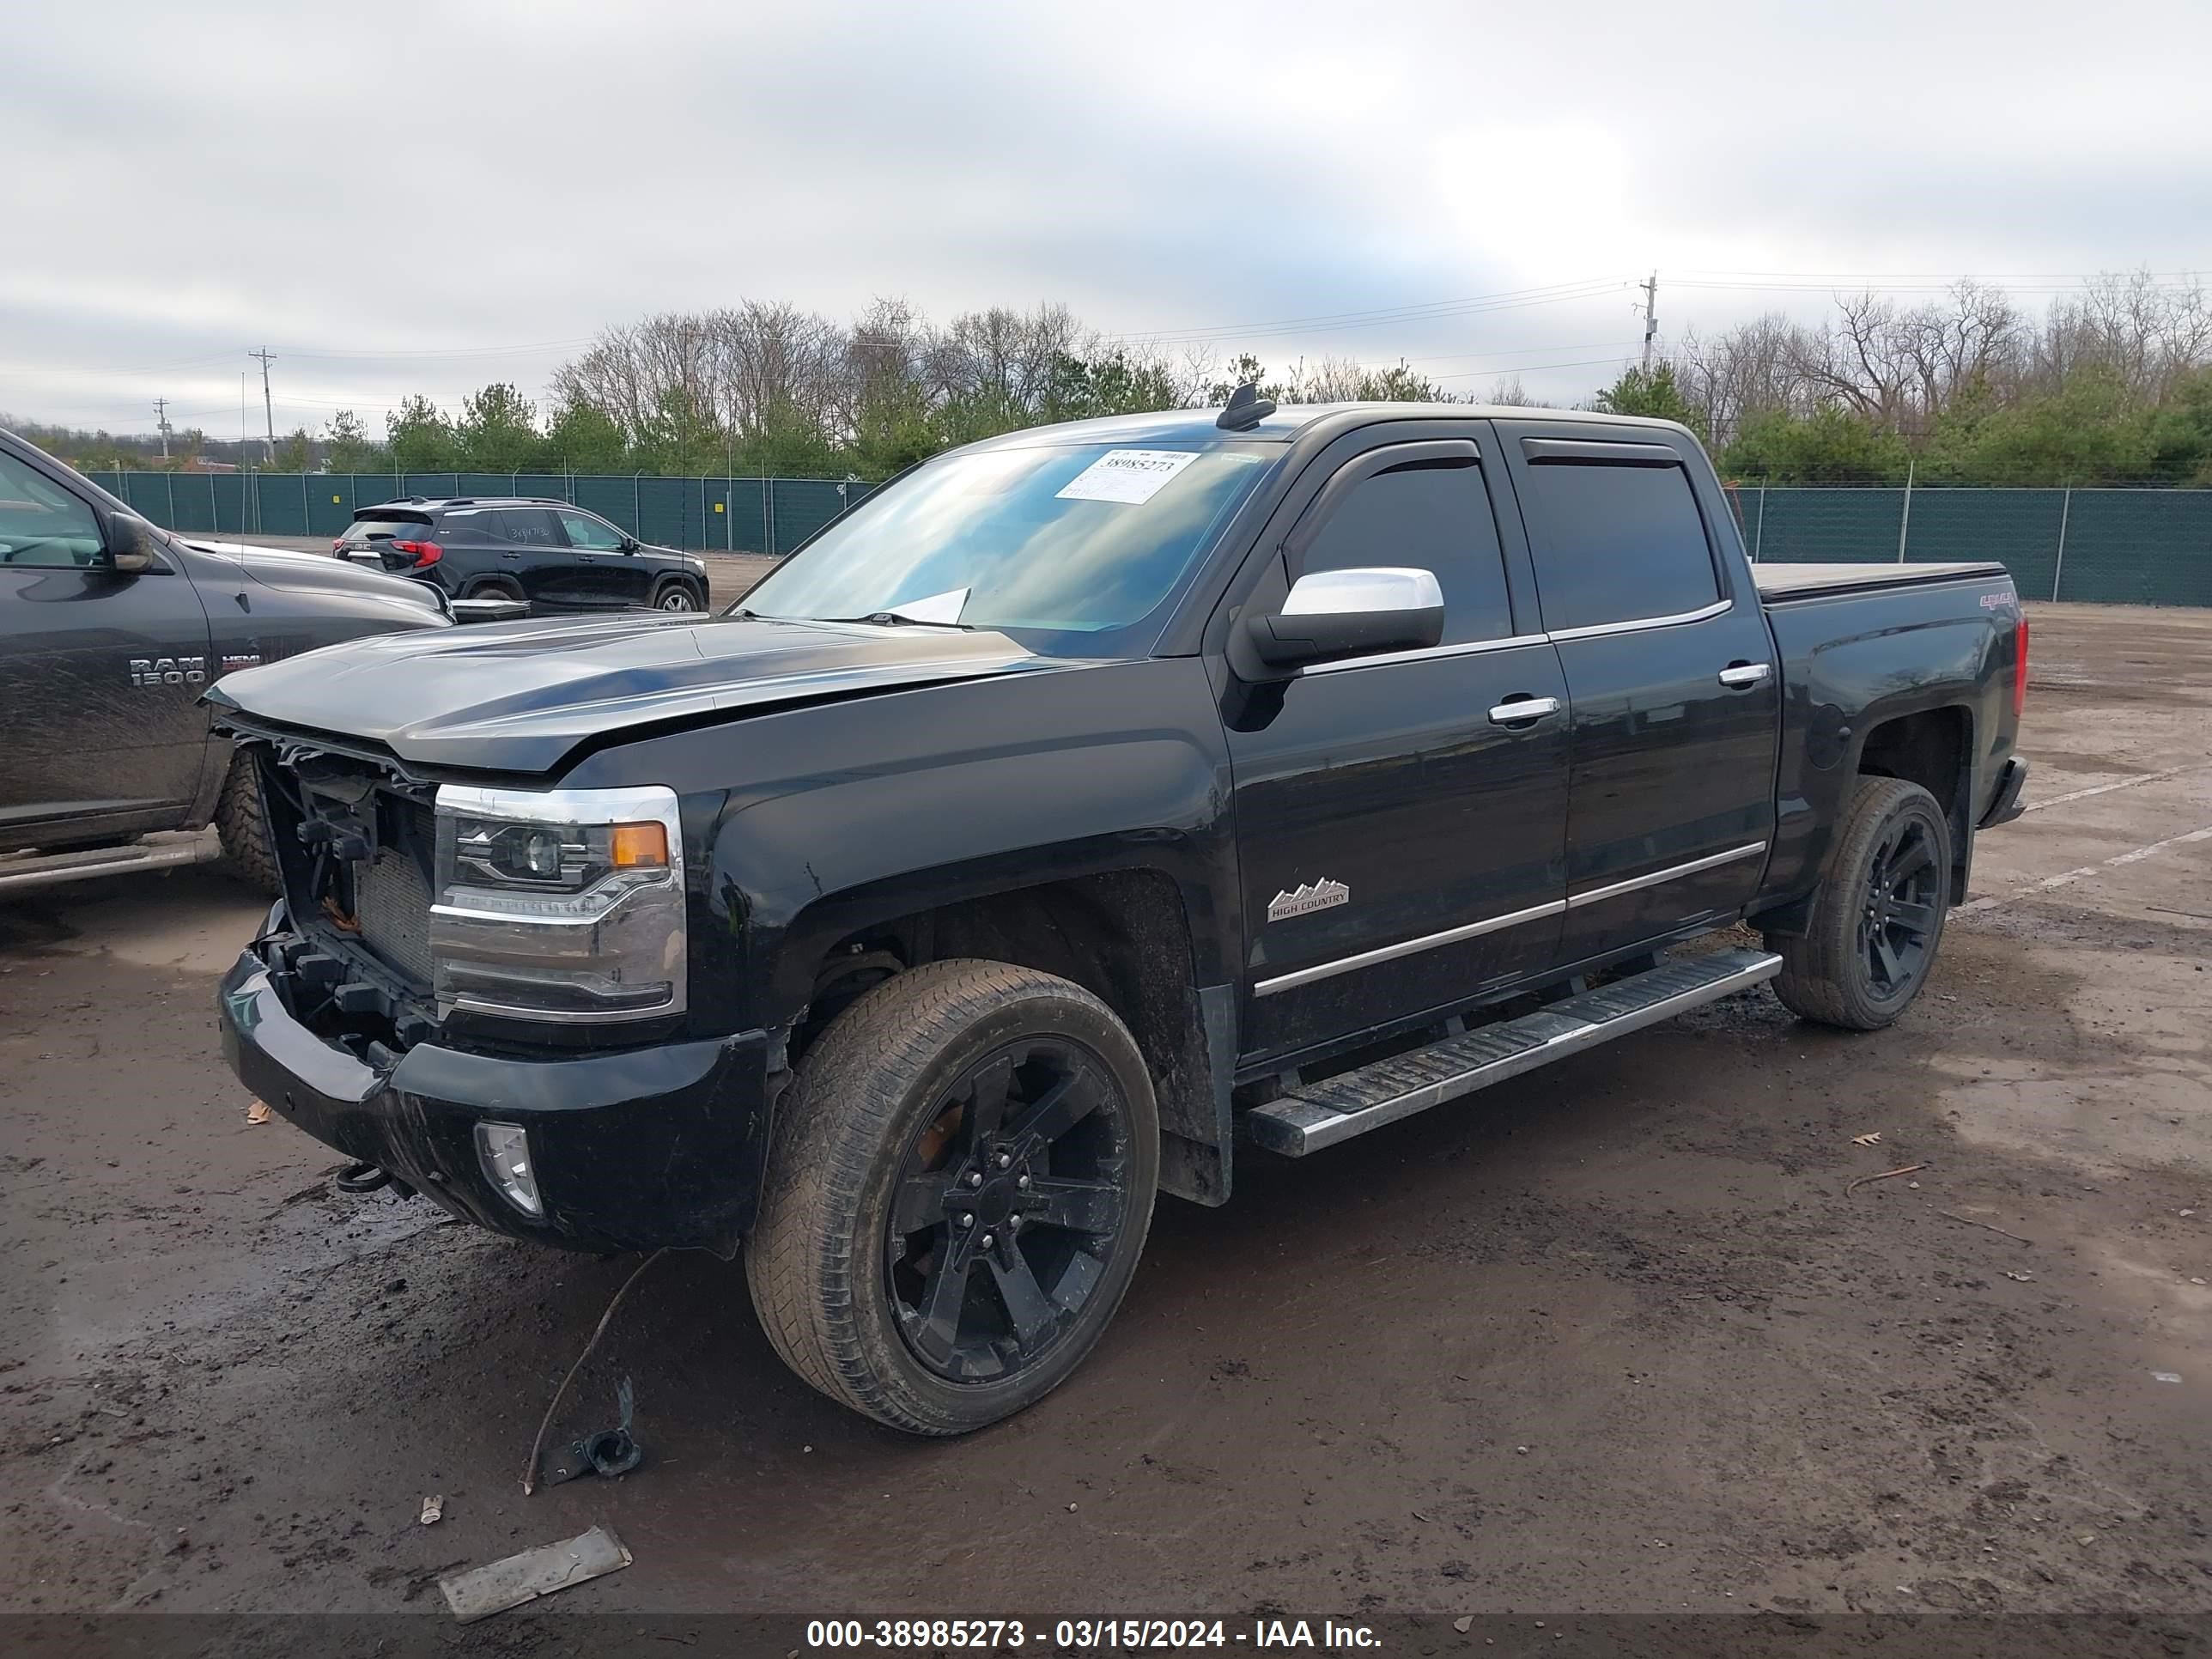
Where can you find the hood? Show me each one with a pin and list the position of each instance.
(520, 696)
(316, 573)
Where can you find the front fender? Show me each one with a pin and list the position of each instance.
(829, 819)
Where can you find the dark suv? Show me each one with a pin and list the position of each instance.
(554, 556)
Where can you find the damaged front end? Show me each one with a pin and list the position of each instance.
(479, 991)
(356, 846)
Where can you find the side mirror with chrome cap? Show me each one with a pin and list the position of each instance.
(1334, 614)
(130, 544)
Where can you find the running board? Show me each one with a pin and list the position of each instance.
(164, 850)
(1318, 1115)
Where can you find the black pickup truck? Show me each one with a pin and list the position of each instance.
(1086, 803)
(109, 630)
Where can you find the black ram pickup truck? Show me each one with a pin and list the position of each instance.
(109, 630)
(1087, 802)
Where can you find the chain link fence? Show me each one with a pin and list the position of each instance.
(702, 516)
(2098, 546)
(2102, 546)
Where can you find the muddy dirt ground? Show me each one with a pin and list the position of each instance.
(1615, 1336)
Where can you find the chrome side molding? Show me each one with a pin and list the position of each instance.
(1290, 981)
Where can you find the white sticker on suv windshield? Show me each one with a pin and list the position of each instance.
(1130, 476)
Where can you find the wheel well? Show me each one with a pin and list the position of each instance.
(506, 585)
(1932, 749)
(1122, 935)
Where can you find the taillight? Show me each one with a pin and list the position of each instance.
(421, 552)
(2020, 668)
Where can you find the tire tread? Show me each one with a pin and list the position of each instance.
(831, 1125)
(243, 829)
(1819, 976)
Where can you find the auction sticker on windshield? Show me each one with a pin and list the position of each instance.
(1131, 476)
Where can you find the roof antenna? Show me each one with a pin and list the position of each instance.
(1246, 409)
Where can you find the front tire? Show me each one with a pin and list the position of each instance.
(1878, 917)
(243, 827)
(676, 596)
(959, 1188)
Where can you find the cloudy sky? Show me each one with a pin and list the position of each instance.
(422, 196)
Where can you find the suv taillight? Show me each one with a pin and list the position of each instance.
(421, 552)
(2020, 668)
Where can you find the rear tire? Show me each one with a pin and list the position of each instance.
(496, 587)
(1878, 916)
(243, 829)
(959, 1188)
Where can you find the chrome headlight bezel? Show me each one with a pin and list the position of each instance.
(598, 943)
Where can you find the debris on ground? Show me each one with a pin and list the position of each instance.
(1463, 1624)
(1871, 1139)
(482, 1591)
(537, 1441)
(610, 1451)
(2165, 1376)
(257, 1111)
(1991, 1226)
(2022, 1278)
(1907, 1169)
(433, 1509)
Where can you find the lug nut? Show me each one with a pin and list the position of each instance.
(986, 1241)
(1023, 1183)
(1005, 1160)
(1013, 1223)
(975, 1177)
(967, 1220)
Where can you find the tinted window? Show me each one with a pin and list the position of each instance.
(1430, 517)
(469, 525)
(594, 534)
(530, 527)
(40, 522)
(1616, 543)
(362, 530)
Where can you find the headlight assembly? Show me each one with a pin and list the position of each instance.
(561, 904)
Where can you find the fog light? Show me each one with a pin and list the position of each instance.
(504, 1150)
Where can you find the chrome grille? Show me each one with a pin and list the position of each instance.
(392, 902)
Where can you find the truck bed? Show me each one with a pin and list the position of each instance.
(1780, 584)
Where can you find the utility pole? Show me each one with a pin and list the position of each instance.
(1650, 317)
(161, 421)
(269, 408)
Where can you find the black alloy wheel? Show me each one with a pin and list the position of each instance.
(959, 1185)
(1011, 1196)
(1898, 926)
(1869, 945)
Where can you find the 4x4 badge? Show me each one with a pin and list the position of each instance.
(1307, 897)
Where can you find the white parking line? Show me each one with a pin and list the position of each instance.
(2069, 877)
(2107, 788)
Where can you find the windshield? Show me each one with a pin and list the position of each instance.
(1061, 545)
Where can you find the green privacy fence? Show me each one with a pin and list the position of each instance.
(737, 515)
(2108, 546)
(2102, 546)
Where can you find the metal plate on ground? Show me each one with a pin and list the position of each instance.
(482, 1591)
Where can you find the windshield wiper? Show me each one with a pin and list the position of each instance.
(898, 619)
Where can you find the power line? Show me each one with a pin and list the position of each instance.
(1386, 313)
(1437, 312)
(1533, 368)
